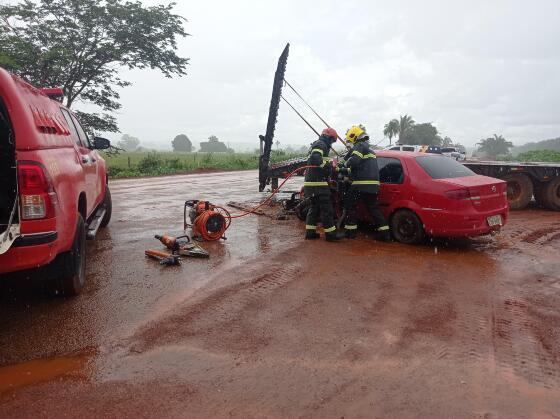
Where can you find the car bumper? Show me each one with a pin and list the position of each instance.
(449, 224)
(29, 251)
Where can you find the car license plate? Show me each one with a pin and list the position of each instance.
(494, 220)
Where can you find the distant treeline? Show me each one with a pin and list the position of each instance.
(552, 144)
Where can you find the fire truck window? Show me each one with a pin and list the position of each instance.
(72, 127)
(408, 149)
(81, 131)
(390, 170)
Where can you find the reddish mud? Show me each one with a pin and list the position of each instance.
(273, 326)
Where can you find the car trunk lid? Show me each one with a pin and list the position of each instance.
(485, 193)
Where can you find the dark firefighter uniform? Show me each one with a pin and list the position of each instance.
(361, 167)
(317, 189)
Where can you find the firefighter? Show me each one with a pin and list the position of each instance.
(316, 187)
(360, 165)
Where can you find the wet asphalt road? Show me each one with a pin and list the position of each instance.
(271, 326)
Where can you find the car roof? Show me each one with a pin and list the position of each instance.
(404, 154)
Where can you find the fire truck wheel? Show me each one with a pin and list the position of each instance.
(108, 204)
(73, 264)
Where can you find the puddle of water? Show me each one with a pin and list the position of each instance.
(42, 370)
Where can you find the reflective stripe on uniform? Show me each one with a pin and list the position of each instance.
(310, 227)
(351, 227)
(357, 153)
(383, 228)
(317, 150)
(326, 160)
(330, 229)
(365, 182)
(370, 156)
(315, 184)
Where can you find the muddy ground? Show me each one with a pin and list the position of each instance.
(272, 326)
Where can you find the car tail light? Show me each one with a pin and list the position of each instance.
(37, 195)
(458, 194)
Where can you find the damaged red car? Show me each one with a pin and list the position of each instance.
(432, 195)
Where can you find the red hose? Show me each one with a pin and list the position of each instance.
(199, 225)
(252, 210)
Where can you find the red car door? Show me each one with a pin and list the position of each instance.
(391, 175)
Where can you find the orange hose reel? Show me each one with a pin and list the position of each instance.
(209, 222)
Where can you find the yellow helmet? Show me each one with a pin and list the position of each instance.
(355, 133)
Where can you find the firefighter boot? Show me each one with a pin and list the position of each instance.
(383, 235)
(351, 234)
(334, 236)
(311, 235)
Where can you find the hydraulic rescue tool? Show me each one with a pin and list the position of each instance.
(164, 257)
(183, 246)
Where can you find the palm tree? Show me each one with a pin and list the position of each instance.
(391, 129)
(405, 124)
(494, 146)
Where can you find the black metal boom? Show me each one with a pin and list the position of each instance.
(267, 140)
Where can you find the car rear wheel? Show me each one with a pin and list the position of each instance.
(406, 227)
(519, 190)
(108, 204)
(72, 264)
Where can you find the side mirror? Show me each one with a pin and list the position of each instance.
(100, 143)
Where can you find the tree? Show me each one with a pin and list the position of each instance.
(213, 145)
(182, 143)
(447, 142)
(422, 134)
(391, 129)
(129, 143)
(494, 146)
(405, 125)
(81, 46)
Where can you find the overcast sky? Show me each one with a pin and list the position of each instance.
(472, 68)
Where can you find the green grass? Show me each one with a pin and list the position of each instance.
(135, 164)
(547, 156)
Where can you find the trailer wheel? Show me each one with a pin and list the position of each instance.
(539, 192)
(552, 194)
(519, 190)
(406, 227)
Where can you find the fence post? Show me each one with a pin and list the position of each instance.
(129, 162)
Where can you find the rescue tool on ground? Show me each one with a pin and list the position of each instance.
(164, 258)
(183, 246)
